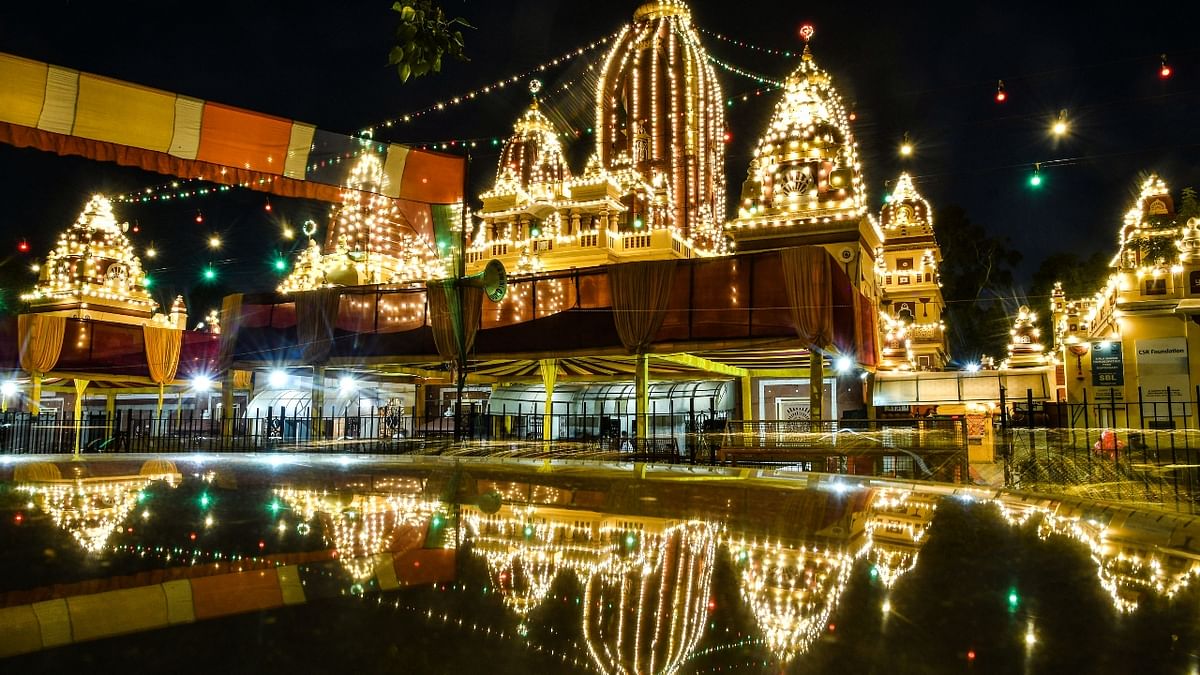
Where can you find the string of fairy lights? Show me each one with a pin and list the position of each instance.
(479, 92)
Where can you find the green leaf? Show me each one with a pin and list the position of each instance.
(408, 13)
(404, 71)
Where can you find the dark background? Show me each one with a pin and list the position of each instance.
(928, 70)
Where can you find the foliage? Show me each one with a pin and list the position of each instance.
(1154, 248)
(977, 274)
(423, 37)
(1080, 277)
(1189, 205)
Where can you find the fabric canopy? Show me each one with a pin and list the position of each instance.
(162, 352)
(231, 322)
(41, 339)
(444, 317)
(73, 113)
(316, 313)
(808, 280)
(640, 292)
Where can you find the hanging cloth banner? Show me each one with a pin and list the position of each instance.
(41, 339)
(640, 293)
(162, 352)
(69, 112)
(808, 281)
(454, 328)
(316, 316)
(231, 324)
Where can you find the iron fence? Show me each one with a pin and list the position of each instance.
(1142, 451)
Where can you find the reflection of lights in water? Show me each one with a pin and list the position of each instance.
(792, 591)
(1126, 569)
(359, 526)
(92, 509)
(645, 609)
(898, 523)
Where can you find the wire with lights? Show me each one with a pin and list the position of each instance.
(785, 53)
(498, 85)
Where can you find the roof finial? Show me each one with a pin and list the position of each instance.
(806, 33)
(535, 86)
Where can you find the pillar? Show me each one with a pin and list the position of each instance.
(35, 395)
(549, 370)
(642, 386)
(227, 404)
(747, 398)
(110, 410)
(419, 402)
(317, 400)
(80, 386)
(816, 384)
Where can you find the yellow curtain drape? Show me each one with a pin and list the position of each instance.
(808, 281)
(41, 341)
(231, 323)
(316, 315)
(443, 314)
(242, 379)
(640, 292)
(162, 352)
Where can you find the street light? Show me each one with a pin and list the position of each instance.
(347, 384)
(1060, 126)
(278, 379)
(844, 364)
(202, 383)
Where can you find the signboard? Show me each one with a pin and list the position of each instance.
(1108, 367)
(1162, 368)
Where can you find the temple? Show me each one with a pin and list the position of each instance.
(1130, 342)
(913, 332)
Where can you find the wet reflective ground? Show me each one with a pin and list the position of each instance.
(328, 565)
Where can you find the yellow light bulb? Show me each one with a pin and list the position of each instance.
(214, 242)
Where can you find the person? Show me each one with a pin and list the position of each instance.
(626, 444)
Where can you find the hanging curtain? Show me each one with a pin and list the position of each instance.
(640, 292)
(807, 278)
(41, 341)
(231, 323)
(316, 314)
(448, 322)
(162, 352)
(243, 379)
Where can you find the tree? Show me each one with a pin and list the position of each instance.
(1080, 277)
(423, 37)
(1189, 205)
(977, 276)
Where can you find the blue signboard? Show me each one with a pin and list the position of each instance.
(1108, 368)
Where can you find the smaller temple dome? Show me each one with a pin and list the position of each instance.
(93, 268)
(532, 159)
(806, 163)
(907, 213)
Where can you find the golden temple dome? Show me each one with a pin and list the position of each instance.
(806, 163)
(532, 158)
(93, 266)
(906, 213)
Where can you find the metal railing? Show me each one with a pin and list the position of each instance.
(1144, 451)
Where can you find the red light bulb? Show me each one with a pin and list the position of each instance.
(199, 217)
(23, 246)
(1164, 70)
(267, 208)
(1001, 94)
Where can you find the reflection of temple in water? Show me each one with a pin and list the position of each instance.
(91, 509)
(898, 524)
(361, 526)
(646, 580)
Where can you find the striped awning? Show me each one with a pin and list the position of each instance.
(74, 113)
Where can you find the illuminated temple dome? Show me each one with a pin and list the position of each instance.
(93, 271)
(805, 174)
(532, 161)
(659, 112)
(370, 240)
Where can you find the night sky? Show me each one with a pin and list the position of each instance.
(930, 71)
